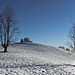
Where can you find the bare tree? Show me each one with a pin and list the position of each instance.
(71, 41)
(8, 27)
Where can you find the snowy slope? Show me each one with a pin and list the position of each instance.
(36, 59)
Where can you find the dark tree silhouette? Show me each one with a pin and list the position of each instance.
(26, 39)
(8, 27)
(21, 41)
(71, 41)
(62, 47)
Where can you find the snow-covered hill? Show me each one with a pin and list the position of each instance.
(36, 59)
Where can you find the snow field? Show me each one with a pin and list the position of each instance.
(36, 59)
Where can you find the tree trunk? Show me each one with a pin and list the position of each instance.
(74, 47)
(5, 49)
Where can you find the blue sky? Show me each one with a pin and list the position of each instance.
(43, 21)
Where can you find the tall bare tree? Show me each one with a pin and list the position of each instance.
(71, 41)
(8, 26)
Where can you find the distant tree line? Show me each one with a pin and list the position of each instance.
(25, 40)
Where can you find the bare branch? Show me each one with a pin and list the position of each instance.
(71, 43)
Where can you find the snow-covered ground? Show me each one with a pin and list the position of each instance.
(36, 59)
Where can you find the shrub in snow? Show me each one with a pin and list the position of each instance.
(67, 49)
(62, 47)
